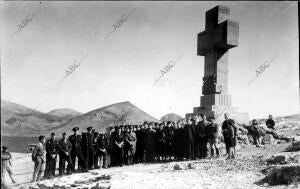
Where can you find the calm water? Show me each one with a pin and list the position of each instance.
(16, 143)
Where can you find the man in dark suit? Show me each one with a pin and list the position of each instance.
(87, 144)
(51, 155)
(65, 148)
(76, 151)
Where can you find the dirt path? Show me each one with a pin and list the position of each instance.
(243, 172)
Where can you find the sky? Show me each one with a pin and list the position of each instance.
(120, 62)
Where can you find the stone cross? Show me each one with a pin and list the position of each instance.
(219, 36)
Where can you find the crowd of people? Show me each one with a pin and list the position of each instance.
(187, 139)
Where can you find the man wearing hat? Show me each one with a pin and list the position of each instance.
(6, 166)
(65, 154)
(87, 145)
(51, 155)
(76, 151)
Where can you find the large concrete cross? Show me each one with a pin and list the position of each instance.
(220, 35)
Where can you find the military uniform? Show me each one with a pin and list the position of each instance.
(51, 155)
(87, 144)
(130, 146)
(76, 151)
(65, 148)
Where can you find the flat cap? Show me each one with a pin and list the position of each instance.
(75, 129)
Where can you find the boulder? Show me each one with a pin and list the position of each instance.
(243, 139)
(191, 166)
(178, 167)
(283, 175)
(268, 139)
(278, 159)
(273, 133)
(296, 145)
(284, 157)
(296, 138)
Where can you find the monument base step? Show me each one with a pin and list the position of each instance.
(219, 111)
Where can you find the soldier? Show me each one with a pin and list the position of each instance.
(38, 157)
(65, 148)
(101, 151)
(76, 151)
(118, 139)
(214, 135)
(6, 167)
(202, 136)
(87, 145)
(51, 155)
(130, 145)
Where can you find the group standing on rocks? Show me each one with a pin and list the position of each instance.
(188, 139)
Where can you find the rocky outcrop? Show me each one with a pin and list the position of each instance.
(284, 158)
(268, 139)
(287, 174)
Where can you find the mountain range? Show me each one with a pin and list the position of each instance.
(18, 120)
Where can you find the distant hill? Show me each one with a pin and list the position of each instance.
(22, 121)
(18, 120)
(171, 117)
(115, 114)
(64, 112)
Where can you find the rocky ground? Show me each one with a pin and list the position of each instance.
(271, 166)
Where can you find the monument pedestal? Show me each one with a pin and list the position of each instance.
(219, 111)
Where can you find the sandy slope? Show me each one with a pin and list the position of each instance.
(240, 173)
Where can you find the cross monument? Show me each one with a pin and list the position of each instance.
(220, 35)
